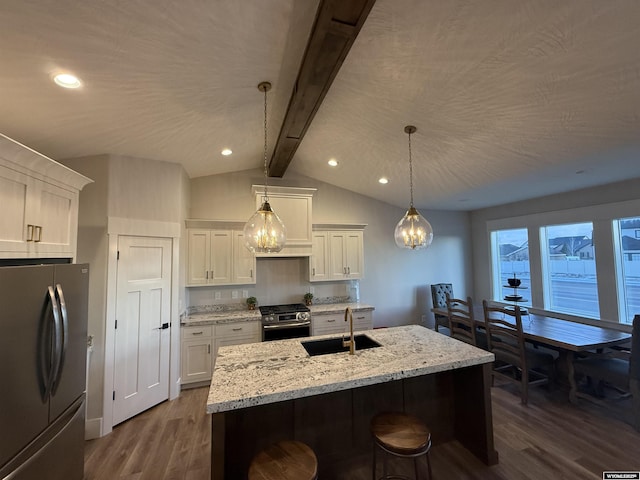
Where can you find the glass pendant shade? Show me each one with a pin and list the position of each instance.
(264, 232)
(413, 231)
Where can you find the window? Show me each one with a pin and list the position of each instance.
(569, 269)
(510, 256)
(627, 251)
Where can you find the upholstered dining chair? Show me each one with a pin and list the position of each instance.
(620, 369)
(462, 324)
(514, 360)
(439, 293)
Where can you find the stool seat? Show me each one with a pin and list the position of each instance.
(285, 460)
(401, 435)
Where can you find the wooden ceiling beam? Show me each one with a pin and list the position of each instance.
(336, 27)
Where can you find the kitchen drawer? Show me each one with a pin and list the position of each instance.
(197, 332)
(240, 329)
(362, 321)
(326, 324)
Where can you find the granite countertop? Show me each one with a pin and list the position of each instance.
(246, 315)
(269, 372)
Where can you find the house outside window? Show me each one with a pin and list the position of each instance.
(570, 283)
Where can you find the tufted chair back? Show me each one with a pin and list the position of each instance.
(439, 293)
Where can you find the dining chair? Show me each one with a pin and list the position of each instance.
(515, 361)
(439, 293)
(462, 324)
(619, 368)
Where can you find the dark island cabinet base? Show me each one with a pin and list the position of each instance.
(455, 404)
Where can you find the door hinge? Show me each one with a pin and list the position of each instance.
(114, 395)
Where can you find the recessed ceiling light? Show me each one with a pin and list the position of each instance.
(226, 152)
(333, 162)
(383, 180)
(66, 80)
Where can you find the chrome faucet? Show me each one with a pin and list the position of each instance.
(348, 316)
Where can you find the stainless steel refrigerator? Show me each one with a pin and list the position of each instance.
(43, 345)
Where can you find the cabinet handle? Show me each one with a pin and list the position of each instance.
(237, 329)
(29, 233)
(206, 274)
(314, 271)
(349, 270)
(331, 320)
(251, 273)
(209, 349)
(359, 318)
(197, 333)
(344, 270)
(38, 231)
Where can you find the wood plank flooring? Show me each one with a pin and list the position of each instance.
(548, 439)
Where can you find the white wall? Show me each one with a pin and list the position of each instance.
(396, 281)
(127, 188)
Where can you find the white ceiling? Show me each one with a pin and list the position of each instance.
(512, 99)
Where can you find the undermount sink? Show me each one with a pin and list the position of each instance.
(334, 345)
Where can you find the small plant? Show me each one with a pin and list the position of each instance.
(251, 303)
(308, 297)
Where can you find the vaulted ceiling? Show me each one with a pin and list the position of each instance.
(511, 99)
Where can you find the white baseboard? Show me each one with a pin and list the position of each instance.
(92, 428)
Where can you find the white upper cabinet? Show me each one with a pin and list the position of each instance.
(39, 198)
(218, 256)
(294, 207)
(337, 254)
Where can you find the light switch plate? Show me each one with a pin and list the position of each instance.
(218, 296)
(245, 293)
(234, 294)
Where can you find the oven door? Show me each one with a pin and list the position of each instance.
(286, 330)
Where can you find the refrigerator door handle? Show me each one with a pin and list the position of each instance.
(64, 320)
(49, 373)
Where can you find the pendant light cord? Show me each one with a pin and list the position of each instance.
(266, 181)
(410, 171)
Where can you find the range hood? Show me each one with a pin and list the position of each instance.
(294, 207)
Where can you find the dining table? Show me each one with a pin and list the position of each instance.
(565, 336)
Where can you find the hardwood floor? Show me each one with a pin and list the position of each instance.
(547, 439)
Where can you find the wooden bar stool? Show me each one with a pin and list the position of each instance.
(285, 460)
(400, 435)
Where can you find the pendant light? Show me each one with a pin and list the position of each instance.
(413, 231)
(264, 232)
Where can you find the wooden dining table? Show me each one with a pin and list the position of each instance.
(564, 336)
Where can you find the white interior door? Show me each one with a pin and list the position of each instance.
(143, 311)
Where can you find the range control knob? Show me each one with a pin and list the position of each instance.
(302, 316)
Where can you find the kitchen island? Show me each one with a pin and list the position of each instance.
(262, 393)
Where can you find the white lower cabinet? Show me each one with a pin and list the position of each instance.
(200, 346)
(236, 334)
(197, 345)
(334, 323)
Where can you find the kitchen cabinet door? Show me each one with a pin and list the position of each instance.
(319, 261)
(221, 248)
(354, 254)
(198, 257)
(338, 253)
(196, 354)
(328, 324)
(38, 219)
(244, 262)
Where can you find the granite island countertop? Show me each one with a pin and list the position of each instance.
(269, 372)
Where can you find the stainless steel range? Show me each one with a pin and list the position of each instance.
(285, 321)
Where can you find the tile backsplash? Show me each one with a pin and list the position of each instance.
(278, 281)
